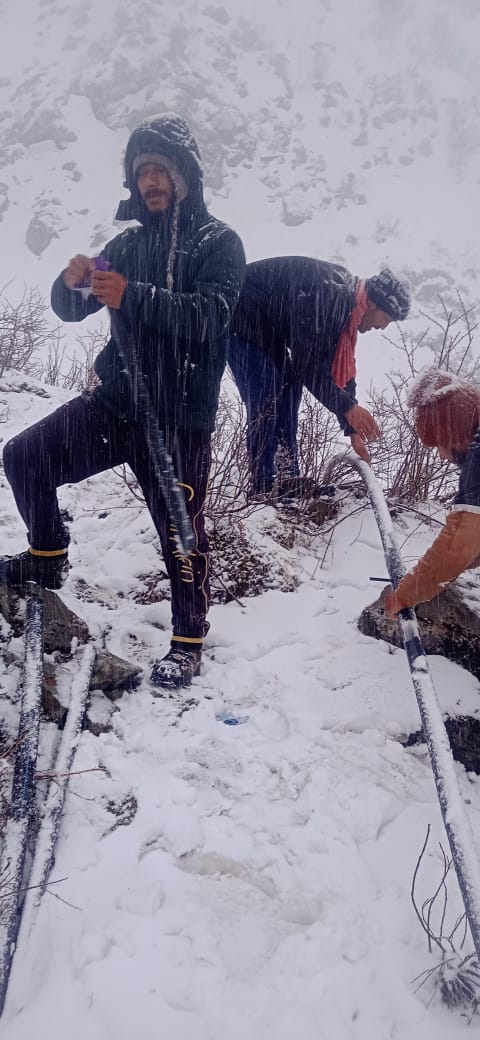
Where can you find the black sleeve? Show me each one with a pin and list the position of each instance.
(69, 304)
(468, 495)
(338, 401)
(351, 390)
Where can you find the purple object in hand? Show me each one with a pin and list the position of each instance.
(101, 264)
(85, 288)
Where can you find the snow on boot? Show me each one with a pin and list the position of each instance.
(48, 571)
(176, 669)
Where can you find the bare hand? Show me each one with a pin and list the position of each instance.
(363, 423)
(109, 287)
(358, 445)
(78, 271)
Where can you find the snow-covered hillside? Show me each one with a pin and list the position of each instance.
(331, 128)
(223, 881)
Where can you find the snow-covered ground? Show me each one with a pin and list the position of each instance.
(222, 880)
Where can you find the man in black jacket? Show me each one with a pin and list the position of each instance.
(296, 325)
(171, 283)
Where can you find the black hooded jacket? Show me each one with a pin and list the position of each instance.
(179, 335)
(294, 308)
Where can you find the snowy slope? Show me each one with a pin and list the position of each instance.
(262, 884)
(255, 878)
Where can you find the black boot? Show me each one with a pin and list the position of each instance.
(177, 668)
(48, 571)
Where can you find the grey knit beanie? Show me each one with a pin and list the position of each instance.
(389, 293)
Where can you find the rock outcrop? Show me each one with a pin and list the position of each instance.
(63, 631)
(448, 626)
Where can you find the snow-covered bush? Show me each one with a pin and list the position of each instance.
(245, 566)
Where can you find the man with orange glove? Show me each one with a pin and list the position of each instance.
(447, 417)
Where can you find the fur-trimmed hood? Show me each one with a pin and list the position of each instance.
(171, 137)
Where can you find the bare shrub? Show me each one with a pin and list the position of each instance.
(81, 374)
(52, 368)
(318, 440)
(229, 473)
(322, 447)
(29, 344)
(77, 372)
(410, 471)
(24, 332)
(456, 977)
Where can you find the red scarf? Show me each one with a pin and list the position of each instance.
(344, 367)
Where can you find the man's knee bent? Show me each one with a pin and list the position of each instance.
(14, 458)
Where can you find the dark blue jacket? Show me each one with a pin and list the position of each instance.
(294, 308)
(468, 494)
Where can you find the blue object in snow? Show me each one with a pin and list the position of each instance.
(229, 719)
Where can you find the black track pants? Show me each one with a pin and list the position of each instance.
(83, 438)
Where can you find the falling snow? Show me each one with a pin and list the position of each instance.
(222, 880)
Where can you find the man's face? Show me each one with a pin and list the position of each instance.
(374, 318)
(155, 186)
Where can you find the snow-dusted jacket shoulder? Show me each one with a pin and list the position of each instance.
(300, 305)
